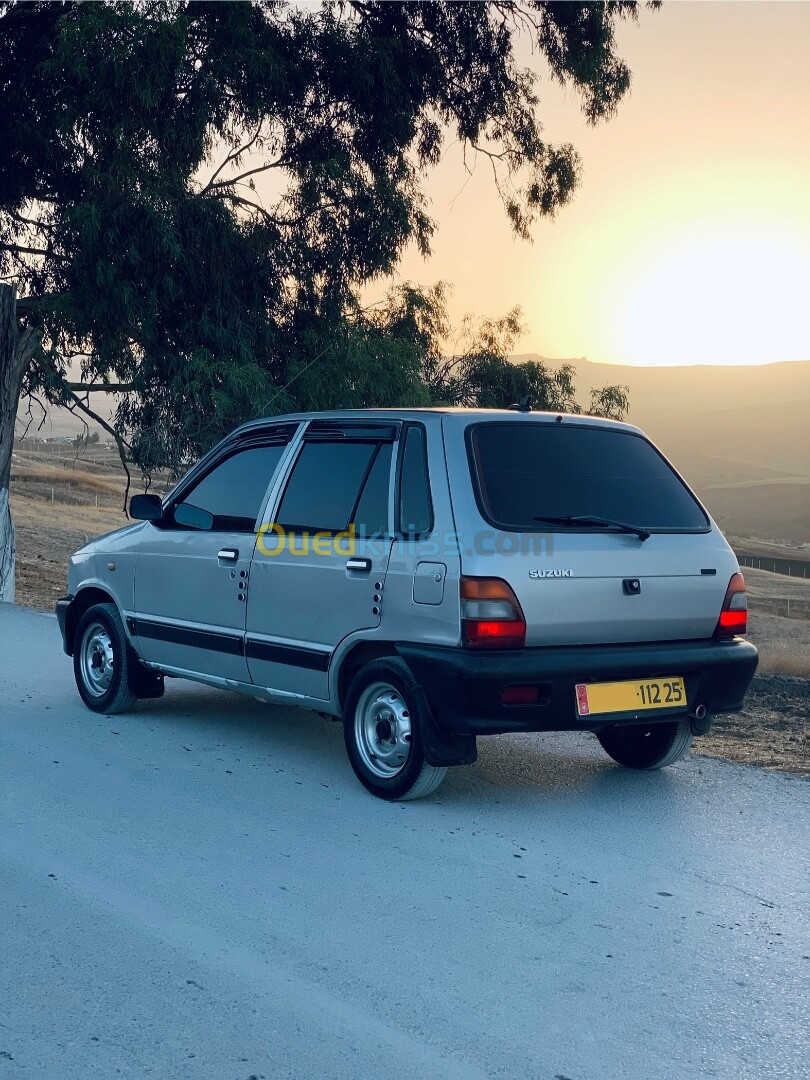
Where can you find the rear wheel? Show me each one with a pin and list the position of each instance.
(100, 661)
(382, 730)
(652, 746)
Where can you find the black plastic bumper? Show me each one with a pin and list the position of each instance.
(464, 686)
(62, 606)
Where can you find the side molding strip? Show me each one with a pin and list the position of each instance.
(292, 655)
(232, 644)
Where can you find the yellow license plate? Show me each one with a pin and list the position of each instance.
(634, 696)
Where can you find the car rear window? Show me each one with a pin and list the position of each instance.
(522, 471)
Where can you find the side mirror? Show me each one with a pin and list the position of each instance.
(146, 507)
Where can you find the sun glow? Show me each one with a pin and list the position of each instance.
(689, 239)
(731, 295)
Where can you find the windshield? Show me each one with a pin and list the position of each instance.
(526, 471)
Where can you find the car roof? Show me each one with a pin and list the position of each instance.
(437, 412)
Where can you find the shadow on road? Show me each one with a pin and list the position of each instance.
(560, 766)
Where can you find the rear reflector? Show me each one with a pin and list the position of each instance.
(520, 695)
(491, 617)
(733, 619)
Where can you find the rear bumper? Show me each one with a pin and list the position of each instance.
(464, 686)
(62, 606)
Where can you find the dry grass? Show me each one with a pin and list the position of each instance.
(51, 525)
(772, 731)
(76, 479)
(50, 530)
(785, 660)
(47, 534)
(783, 642)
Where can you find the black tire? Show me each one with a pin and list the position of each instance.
(647, 746)
(101, 661)
(382, 726)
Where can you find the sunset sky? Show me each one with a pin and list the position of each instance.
(689, 239)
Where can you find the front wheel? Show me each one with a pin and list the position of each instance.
(100, 661)
(651, 746)
(382, 730)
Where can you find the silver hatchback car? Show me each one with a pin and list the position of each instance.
(429, 576)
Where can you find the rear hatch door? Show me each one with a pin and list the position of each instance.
(586, 584)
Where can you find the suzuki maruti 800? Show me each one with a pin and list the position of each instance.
(430, 576)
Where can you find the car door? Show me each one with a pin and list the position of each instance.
(192, 570)
(319, 569)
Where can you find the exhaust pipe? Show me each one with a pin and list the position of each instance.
(701, 720)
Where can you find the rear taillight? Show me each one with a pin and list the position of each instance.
(734, 613)
(491, 617)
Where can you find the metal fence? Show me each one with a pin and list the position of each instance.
(797, 568)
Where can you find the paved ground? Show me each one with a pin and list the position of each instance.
(201, 889)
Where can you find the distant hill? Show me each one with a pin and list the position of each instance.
(740, 436)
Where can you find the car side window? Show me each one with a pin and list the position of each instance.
(335, 483)
(414, 504)
(233, 491)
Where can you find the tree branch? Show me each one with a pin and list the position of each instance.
(32, 397)
(282, 222)
(20, 249)
(27, 304)
(234, 155)
(33, 222)
(223, 193)
(119, 441)
(94, 388)
(211, 186)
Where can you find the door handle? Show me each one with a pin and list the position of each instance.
(358, 564)
(228, 554)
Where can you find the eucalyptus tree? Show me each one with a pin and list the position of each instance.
(191, 195)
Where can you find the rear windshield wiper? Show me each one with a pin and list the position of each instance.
(583, 521)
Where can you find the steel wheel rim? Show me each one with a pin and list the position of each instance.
(97, 659)
(382, 728)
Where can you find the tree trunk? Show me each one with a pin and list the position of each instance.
(16, 348)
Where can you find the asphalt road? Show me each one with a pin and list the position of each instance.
(201, 889)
